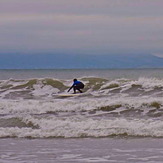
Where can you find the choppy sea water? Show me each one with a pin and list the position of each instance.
(86, 150)
(117, 118)
(111, 106)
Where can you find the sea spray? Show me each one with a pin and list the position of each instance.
(32, 108)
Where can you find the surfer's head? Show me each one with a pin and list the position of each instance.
(75, 80)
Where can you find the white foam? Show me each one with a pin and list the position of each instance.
(41, 90)
(149, 82)
(47, 90)
(76, 127)
(74, 104)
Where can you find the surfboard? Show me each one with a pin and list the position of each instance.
(68, 95)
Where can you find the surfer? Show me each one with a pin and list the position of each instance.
(77, 85)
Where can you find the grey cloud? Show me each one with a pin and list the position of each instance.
(85, 7)
(94, 26)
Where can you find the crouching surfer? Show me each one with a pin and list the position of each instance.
(77, 85)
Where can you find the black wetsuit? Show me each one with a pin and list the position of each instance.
(77, 85)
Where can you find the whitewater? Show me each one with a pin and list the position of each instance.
(115, 103)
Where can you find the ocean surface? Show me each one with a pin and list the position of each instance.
(115, 104)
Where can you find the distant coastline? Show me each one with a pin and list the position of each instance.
(62, 61)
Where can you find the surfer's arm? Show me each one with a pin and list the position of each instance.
(70, 88)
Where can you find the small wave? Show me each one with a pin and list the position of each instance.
(119, 106)
(48, 87)
(77, 128)
(16, 122)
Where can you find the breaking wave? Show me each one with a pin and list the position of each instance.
(34, 88)
(125, 108)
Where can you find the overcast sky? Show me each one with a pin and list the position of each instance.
(81, 26)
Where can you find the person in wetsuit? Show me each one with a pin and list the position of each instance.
(77, 85)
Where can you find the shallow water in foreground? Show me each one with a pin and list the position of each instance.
(109, 150)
